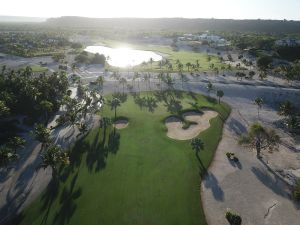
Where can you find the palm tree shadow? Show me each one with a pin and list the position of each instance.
(67, 202)
(202, 169)
(48, 197)
(148, 102)
(211, 182)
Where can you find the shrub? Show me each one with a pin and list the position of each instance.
(297, 190)
(229, 155)
(233, 218)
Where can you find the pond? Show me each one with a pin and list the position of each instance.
(124, 57)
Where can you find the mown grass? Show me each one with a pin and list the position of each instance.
(38, 69)
(138, 176)
(183, 56)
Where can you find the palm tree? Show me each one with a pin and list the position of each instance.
(137, 76)
(54, 157)
(259, 103)
(220, 94)
(209, 88)
(4, 110)
(169, 82)
(260, 138)
(100, 82)
(216, 69)
(160, 63)
(160, 77)
(170, 67)
(123, 81)
(146, 78)
(42, 135)
(197, 64)
(182, 78)
(74, 67)
(47, 107)
(251, 74)
(151, 62)
(197, 145)
(188, 65)
(180, 67)
(6, 155)
(16, 143)
(114, 104)
(82, 127)
(287, 109)
(115, 75)
(223, 69)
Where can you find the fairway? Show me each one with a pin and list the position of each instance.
(184, 56)
(137, 176)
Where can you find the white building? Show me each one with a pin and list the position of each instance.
(287, 42)
(211, 39)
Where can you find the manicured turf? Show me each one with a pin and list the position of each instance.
(144, 178)
(183, 55)
(37, 68)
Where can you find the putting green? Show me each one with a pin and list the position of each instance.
(139, 176)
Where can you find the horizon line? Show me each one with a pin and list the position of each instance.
(125, 17)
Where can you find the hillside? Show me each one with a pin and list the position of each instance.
(178, 24)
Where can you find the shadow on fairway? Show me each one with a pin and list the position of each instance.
(95, 152)
(149, 102)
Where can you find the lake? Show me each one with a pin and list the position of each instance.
(124, 57)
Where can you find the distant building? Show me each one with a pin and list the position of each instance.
(214, 40)
(287, 42)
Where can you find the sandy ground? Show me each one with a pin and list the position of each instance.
(174, 125)
(249, 187)
(121, 124)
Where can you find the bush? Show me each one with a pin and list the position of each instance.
(230, 155)
(233, 218)
(297, 190)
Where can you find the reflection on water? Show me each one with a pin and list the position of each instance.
(124, 57)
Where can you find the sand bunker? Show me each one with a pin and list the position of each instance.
(121, 124)
(175, 125)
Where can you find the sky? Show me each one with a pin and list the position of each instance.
(218, 9)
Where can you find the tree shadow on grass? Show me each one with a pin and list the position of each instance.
(97, 151)
(192, 95)
(121, 96)
(67, 202)
(148, 102)
(48, 198)
(174, 106)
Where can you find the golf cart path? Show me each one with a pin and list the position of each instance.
(247, 187)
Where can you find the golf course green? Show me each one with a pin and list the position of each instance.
(136, 175)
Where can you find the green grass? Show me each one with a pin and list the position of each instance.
(166, 51)
(146, 179)
(38, 69)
